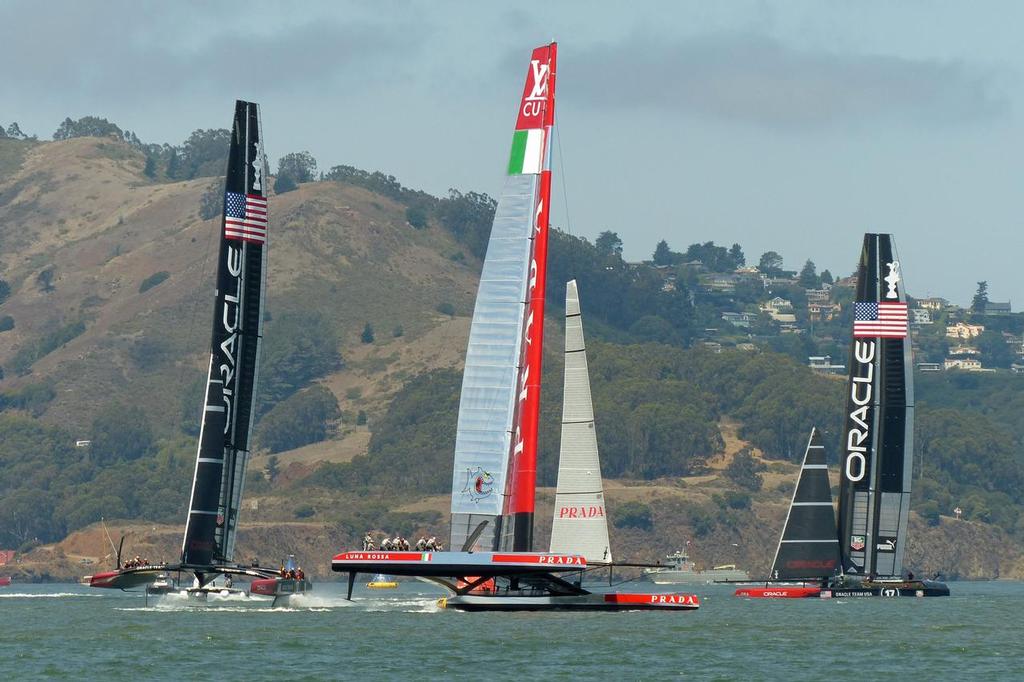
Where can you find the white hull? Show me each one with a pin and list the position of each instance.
(694, 577)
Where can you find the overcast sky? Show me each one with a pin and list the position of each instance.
(793, 126)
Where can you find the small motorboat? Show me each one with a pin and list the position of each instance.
(5, 580)
(382, 582)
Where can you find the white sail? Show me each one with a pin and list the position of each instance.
(487, 403)
(580, 523)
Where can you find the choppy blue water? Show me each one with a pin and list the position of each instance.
(72, 632)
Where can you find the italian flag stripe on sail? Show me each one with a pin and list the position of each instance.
(527, 152)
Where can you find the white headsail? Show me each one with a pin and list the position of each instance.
(580, 523)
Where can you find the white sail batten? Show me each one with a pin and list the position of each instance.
(580, 524)
(487, 401)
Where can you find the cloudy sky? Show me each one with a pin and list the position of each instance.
(794, 125)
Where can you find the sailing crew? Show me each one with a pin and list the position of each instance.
(396, 543)
(368, 543)
(421, 544)
(385, 543)
(299, 574)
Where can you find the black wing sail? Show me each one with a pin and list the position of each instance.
(235, 350)
(808, 547)
(878, 442)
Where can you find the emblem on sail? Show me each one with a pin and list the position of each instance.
(892, 278)
(257, 166)
(479, 484)
(857, 543)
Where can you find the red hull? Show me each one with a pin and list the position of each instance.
(779, 592)
(279, 587)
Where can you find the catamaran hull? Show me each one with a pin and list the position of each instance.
(123, 580)
(916, 588)
(584, 602)
(279, 587)
(669, 577)
(779, 592)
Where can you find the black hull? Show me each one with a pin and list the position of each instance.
(910, 588)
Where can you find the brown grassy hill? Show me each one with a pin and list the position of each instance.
(82, 210)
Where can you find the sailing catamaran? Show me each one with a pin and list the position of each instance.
(876, 468)
(208, 545)
(494, 476)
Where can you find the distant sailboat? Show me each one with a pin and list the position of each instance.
(580, 523)
(867, 548)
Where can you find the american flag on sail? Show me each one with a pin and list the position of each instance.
(885, 319)
(245, 217)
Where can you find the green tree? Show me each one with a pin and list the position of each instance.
(416, 216)
(284, 184)
(301, 419)
(736, 253)
(995, 352)
(770, 264)
(633, 514)
(5, 291)
(121, 432)
(742, 471)
(468, 217)
(809, 276)
(87, 126)
(212, 202)
(662, 254)
(299, 166)
(608, 244)
(980, 299)
(826, 277)
(367, 335)
(173, 165)
(150, 168)
(205, 153)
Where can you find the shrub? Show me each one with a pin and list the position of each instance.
(304, 511)
(416, 216)
(6, 323)
(284, 184)
(446, 308)
(367, 335)
(633, 515)
(743, 471)
(153, 280)
(302, 419)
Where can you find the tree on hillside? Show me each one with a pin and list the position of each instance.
(119, 433)
(468, 217)
(14, 131)
(205, 153)
(736, 253)
(980, 299)
(299, 166)
(284, 184)
(809, 276)
(715, 258)
(212, 202)
(742, 470)
(770, 264)
(663, 254)
(5, 291)
(300, 420)
(173, 166)
(150, 169)
(87, 126)
(826, 277)
(995, 352)
(608, 243)
(367, 335)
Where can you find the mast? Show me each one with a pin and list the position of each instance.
(808, 546)
(580, 523)
(877, 467)
(497, 426)
(234, 350)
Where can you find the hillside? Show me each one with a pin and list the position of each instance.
(110, 275)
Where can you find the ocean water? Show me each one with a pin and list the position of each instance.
(73, 632)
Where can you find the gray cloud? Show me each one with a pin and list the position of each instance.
(757, 80)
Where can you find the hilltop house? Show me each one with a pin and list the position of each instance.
(967, 364)
(994, 308)
(937, 304)
(780, 310)
(822, 364)
(819, 295)
(819, 312)
(920, 316)
(739, 319)
(963, 330)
